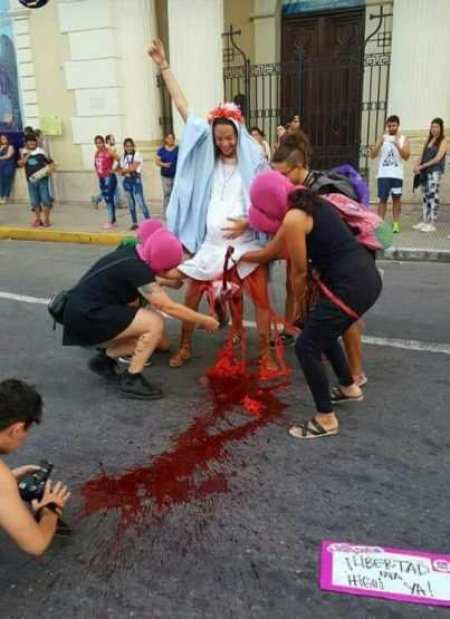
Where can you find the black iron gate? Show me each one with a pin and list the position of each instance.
(377, 62)
(271, 94)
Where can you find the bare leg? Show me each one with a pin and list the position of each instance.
(258, 286)
(192, 300)
(396, 207)
(121, 348)
(145, 332)
(46, 210)
(352, 343)
(382, 206)
(37, 215)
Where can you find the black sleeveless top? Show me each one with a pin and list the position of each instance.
(343, 264)
(428, 154)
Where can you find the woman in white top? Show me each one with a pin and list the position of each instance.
(130, 167)
(208, 210)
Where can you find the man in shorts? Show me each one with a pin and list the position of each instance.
(393, 149)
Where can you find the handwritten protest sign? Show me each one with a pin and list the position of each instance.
(391, 573)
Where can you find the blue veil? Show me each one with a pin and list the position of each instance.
(188, 206)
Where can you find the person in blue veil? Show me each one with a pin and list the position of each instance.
(217, 161)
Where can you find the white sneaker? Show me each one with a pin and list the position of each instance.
(428, 228)
(419, 225)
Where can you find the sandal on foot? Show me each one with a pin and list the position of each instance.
(360, 380)
(337, 396)
(180, 358)
(311, 429)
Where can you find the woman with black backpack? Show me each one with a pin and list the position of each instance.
(130, 167)
(309, 230)
(292, 159)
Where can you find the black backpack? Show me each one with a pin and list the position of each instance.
(330, 182)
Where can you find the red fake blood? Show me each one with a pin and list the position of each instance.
(183, 473)
(198, 463)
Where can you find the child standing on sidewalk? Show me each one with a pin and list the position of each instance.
(38, 167)
(104, 163)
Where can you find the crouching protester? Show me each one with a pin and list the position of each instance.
(103, 312)
(32, 531)
(323, 251)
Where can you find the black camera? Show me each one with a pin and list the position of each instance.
(32, 486)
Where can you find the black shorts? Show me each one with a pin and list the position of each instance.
(96, 325)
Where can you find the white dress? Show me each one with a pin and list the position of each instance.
(227, 200)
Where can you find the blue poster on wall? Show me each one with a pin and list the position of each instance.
(10, 111)
(294, 7)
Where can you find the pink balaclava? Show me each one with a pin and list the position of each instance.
(162, 251)
(147, 228)
(269, 201)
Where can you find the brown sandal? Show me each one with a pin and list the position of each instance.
(181, 357)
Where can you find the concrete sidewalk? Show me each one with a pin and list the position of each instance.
(83, 223)
(71, 223)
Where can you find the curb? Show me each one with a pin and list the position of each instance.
(401, 254)
(61, 236)
(411, 254)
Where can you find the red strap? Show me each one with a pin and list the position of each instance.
(334, 299)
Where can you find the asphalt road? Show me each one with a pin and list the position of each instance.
(192, 507)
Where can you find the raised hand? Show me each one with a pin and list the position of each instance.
(157, 53)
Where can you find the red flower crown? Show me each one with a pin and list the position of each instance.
(226, 110)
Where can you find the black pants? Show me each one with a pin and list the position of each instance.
(324, 326)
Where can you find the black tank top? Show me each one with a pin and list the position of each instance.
(428, 154)
(341, 261)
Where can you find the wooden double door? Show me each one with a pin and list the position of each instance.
(325, 80)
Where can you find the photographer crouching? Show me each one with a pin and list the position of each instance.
(20, 407)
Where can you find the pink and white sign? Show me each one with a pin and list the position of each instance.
(375, 571)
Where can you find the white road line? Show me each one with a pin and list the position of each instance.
(23, 298)
(390, 342)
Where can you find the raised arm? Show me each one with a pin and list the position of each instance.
(403, 148)
(375, 149)
(158, 55)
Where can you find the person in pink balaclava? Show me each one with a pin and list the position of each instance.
(102, 312)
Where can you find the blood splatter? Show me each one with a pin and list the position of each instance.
(184, 472)
(195, 466)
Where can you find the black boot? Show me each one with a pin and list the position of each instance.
(137, 386)
(104, 366)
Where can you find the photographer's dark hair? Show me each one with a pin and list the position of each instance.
(294, 150)
(393, 119)
(19, 402)
(217, 122)
(304, 200)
